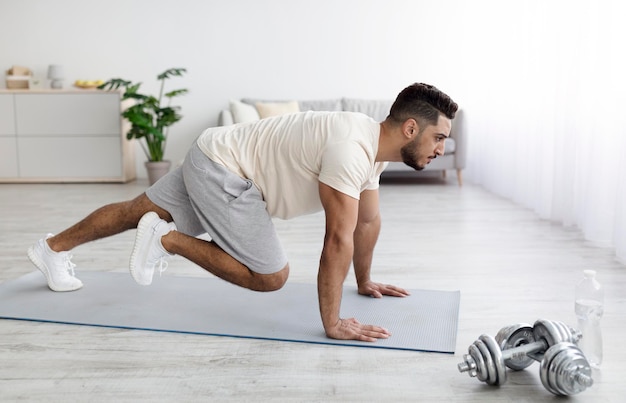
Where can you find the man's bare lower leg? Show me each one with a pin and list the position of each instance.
(106, 221)
(213, 259)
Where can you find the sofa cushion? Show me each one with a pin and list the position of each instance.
(243, 112)
(332, 104)
(376, 109)
(267, 109)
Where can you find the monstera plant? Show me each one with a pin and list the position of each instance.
(150, 117)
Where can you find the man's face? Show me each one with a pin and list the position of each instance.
(427, 145)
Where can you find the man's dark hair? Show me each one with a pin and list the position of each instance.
(422, 102)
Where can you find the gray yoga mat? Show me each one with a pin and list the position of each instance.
(425, 321)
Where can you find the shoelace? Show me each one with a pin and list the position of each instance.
(69, 266)
(162, 263)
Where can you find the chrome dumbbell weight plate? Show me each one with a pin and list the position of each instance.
(549, 332)
(475, 362)
(565, 370)
(574, 374)
(485, 361)
(549, 364)
(499, 369)
(570, 334)
(515, 336)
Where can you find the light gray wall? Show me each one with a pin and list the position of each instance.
(235, 48)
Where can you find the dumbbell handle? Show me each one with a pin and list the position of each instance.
(524, 349)
(520, 351)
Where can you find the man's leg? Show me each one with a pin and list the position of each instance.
(213, 259)
(108, 220)
(156, 240)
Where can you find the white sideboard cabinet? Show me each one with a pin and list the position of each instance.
(64, 136)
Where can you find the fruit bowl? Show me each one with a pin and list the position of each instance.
(88, 84)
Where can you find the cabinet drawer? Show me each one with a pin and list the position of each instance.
(68, 114)
(69, 157)
(7, 115)
(8, 157)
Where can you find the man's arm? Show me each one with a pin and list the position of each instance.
(365, 237)
(341, 220)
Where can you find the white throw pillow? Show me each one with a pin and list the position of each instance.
(243, 112)
(267, 109)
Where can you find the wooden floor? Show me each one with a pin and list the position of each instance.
(509, 266)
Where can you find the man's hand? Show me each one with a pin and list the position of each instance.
(377, 290)
(351, 329)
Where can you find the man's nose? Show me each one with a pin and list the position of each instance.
(441, 149)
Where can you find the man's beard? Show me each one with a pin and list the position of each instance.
(410, 155)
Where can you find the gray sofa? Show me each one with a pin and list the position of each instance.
(456, 146)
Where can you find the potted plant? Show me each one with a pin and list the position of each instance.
(149, 119)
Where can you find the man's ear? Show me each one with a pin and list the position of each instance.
(410, 128)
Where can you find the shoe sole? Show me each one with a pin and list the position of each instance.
(142, 228)
(44, 269)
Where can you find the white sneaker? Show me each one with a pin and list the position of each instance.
(148, 250)
(56, 266)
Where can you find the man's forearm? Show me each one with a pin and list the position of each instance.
(334, 266)
(365, 238)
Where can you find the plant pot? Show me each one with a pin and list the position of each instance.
(157, 169)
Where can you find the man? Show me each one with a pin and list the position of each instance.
(236, 178)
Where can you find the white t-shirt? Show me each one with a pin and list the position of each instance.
(287, 156)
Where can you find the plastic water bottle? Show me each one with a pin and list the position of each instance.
(589, 307)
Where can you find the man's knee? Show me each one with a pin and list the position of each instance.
(142, 204)
(274, 281)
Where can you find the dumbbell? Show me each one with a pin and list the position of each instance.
(518, 346)
(541, 336)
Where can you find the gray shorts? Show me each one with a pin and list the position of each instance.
(205, 197)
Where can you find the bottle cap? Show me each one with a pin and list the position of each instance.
(589, 273)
